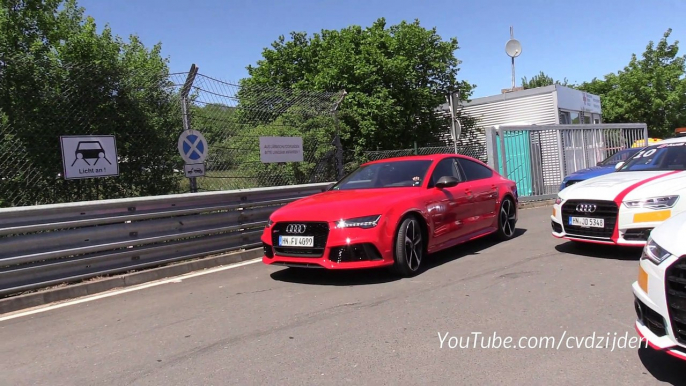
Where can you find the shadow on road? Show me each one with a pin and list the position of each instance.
(662, 366)
(600, 251)
(381, 275)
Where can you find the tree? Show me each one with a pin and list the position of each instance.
(541, 80)
(395, 77)
(58, 76)
(650, 90)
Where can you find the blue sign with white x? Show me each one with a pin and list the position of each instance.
(192, 147)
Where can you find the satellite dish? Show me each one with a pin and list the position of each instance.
(513, 48)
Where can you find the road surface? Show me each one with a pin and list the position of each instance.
(265, 325)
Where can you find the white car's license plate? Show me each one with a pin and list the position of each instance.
(296, 241)
(587, 222)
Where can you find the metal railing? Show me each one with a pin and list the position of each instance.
(539, 157)
(46, 245)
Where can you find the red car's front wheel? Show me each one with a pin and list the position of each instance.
(409, 247)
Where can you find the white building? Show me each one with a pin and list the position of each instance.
(547, 105)
(550, 105)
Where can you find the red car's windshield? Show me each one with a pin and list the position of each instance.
(386, 175)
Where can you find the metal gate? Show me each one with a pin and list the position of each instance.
(538, 158)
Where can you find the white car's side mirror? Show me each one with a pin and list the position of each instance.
(619, 165)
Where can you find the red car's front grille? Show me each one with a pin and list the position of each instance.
(318, 230)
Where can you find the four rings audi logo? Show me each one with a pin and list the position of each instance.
(586, 208)
(295, 228)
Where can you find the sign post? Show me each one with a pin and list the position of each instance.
(193, 149)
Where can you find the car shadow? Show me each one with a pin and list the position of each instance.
(357, 277)
(318, 276)
(600, 251)
(473, 247)
(662, 366)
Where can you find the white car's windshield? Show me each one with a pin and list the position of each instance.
(386, 175)
(668, 156)
(619, 156)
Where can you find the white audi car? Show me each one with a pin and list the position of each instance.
(621, 208)
(660, 291)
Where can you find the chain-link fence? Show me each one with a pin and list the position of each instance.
(476, 150)
(143, 110)
(234, 117)
(139, 107)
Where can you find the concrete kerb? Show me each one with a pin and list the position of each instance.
(73, 291)
(535, 204)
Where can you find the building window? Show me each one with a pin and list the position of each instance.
(575, 118)
(564, 118)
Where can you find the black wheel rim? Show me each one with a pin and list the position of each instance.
(508, 218)
(413, 245)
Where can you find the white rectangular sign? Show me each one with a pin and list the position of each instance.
(194, 170)
(89, 156)
(575, 100)
(281, 149)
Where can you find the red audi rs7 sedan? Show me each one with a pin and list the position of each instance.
(392, 213)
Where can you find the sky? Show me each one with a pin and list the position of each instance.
(577, 40)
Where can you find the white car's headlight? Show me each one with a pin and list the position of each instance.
(359, 222)
(655, 253)
(663, 202)
(558, 200)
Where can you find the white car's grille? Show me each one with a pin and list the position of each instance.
(675, 284)
(607, 210)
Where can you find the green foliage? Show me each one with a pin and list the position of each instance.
(651, 89)
(395, 77)
(541, 80)
(58, 76)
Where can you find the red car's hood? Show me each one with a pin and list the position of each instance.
(342, 204)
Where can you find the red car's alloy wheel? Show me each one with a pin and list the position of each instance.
(409, 247)
(507, 219)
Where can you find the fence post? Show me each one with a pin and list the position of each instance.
(337, 140)
(503, 157)
(415, 147)
(455, 126)
(645, 133)
(185, 107)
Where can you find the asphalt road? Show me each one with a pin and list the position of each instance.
(265, 325)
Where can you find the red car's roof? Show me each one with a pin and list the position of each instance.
(429, 157)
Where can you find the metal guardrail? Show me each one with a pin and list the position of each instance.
(47, 245)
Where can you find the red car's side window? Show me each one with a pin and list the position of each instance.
(475, 171)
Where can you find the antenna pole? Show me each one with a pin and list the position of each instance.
(513, 64)
(513, 75)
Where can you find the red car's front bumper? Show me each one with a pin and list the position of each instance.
(347, 248)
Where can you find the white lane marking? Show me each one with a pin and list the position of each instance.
(177, 279)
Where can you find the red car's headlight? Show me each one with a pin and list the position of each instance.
(359, 222)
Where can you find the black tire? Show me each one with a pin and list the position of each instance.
(507, 219)
(409, 248)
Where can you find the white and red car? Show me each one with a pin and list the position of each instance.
(621, 208)
(660, 291)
